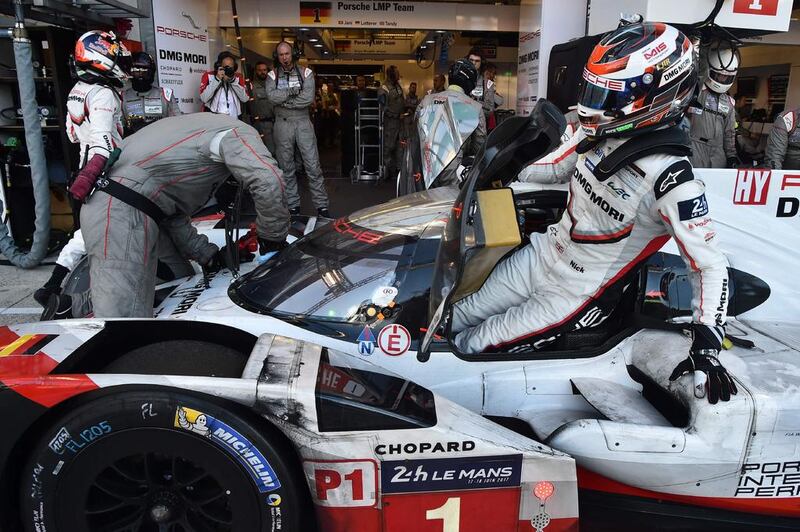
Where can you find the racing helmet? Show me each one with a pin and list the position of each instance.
(723, 64)
(143, 71)
(464, 74)
(101, 58)
(639, 77)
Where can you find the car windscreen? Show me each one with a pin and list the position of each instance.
(351, 397)
(332, 274)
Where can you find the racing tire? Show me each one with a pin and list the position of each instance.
(163, 460)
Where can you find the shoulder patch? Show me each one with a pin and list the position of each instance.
(788, 120)
(489, 84)
(693, 208)
(271, 74)
(167, 94)
(307, 72)
(672, 176)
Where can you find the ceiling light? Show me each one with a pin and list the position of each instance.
(430, 42)
(317, 46)
(313, 40)
(441, 31)
(303, 29)
(422, 47)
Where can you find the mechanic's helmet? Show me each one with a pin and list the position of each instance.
(723, 64)
(464, 74)
(143, 71)
(639, 77)
(101, 58)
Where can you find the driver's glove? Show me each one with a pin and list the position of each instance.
(711, 379)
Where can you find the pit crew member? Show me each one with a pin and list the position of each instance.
(783, 144)
(144, 102)
(631, 189)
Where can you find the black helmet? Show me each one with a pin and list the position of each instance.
(143, 71)
(463, 74)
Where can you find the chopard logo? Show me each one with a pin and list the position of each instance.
(671, 180)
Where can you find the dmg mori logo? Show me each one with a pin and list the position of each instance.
(752, 187)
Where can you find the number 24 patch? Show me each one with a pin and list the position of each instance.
(693, 208)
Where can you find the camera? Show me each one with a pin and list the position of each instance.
(229, 70)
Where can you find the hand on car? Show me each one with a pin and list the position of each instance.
(711, 379)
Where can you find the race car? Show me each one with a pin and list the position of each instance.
(372, 292)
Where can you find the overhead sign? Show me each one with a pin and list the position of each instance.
(181, 31)
(369, 14)
(373, 47)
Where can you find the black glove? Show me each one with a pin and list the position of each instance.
(219, 260)
(265, 246)
(732, 162)
(52, 286)
(715, 383)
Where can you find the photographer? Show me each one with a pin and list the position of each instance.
(222, 89)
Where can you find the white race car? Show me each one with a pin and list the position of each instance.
(339, 349)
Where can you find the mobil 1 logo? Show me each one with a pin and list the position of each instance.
(451, 474)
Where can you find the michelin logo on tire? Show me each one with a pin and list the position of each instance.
(231, 441)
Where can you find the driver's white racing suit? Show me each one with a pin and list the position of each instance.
(567, 278)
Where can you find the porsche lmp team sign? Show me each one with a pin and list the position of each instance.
(371, 14)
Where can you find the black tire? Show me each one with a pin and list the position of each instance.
(130, 461)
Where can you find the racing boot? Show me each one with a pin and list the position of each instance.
(323, 212)
(59, 307)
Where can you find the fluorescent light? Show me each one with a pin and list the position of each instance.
(313, 40)
(303, 29)
(441, 31)
(422, 47)
(430, 42)
(317, 46)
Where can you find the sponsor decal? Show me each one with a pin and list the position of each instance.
(188, 57)
(719, 317)
(655, 51)
(670, 181)
(273, 499)
(618, 190)
(752, 187)
(676, 70)
(769, 479)
(693, 208)
(425, 447)
(611, 84)
(384, 295)
(595, 198)
(788, 207)
(231, 441)
(27, 344)
(36, 483)
(182, 34)
(343, 483)
(191, 295)
(756, 7)
(394, 340)
(447, 474)
(366, 342)
(593, 317)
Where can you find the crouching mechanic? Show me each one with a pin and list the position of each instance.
(631, 188)
(166, 172)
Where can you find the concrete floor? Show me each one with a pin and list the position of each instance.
(17, 285)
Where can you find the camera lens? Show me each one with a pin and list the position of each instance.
(229, 71)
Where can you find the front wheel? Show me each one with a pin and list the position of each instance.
(163, 461)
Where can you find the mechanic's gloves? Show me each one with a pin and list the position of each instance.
(52, 286)
(711, 379)
(732, 162)
(219, 260)
(86, 178)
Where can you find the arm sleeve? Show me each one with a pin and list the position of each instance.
(556, 167)
(777, 143)
(488, 96)
(239, 89)
(275, 95)
(208, 86)
(729, 134)
(478, 137)
(251, 164)
(188, 242)
(306, 96)
(684, 212)
(103, 106)
(73, 252)
(173, 109)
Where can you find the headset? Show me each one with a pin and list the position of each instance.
(295, 51)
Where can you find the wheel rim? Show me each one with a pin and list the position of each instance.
(156, 480)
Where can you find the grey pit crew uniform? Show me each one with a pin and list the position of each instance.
(176, 163)
(783, 144)
(713, 130)
(262, 114)
(484, 92)
(142, 108)
(394, 105)
(292, 93)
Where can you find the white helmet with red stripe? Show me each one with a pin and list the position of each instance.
(639, 77)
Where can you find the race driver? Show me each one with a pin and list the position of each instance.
(639, 80)
(165, 172)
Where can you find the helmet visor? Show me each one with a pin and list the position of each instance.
(603, 94)
(721, 78)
